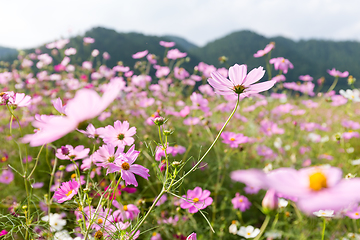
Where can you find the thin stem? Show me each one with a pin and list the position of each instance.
(323, 232)
(263, 227)
(37, 160)
(333, 85)
(217, 137)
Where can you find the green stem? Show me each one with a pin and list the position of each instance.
(323, 232)
(263, 227)
(333, 85)
(212, 145)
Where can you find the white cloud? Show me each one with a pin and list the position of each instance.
(31, 23)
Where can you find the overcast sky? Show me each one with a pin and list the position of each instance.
(26, 23)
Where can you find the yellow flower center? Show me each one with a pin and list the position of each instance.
(125, 207)
(241, 200)
(125, 166)
(99, 221)
(154, 234)
(69, 193)
(317, 181)
(73, 175)
(196, 200)
(232, 139)
(248, 234)
(3, 159)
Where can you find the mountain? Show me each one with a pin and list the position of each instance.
(6, 52)
(311, 57)
(182, 42)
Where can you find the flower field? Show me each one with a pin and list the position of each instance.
(155, 151)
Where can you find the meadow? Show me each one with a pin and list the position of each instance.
(153, 151)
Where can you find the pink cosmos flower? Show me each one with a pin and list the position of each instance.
(69, 152)
(3, 232)
(240, 82)
(129, 211)
(306, 78)
(175, 54)
(350, 134)
(167, 44)
(161, 71)
(196, 199)
(139, 55)
(316, 188)
(266, 50)
(67, 191)
(191, 121)
(233, 139)
(125, 164)
(86, 105)
(119, 135)
(88, 40)
(7, 176)
(282, 64)
(335, 73)
(240, 202)
(350, 124)
(192, 236)
(354, 213)
(269, 128)
(19, 100)
(279, 78)
(106, 155)
(180, 73)
(156, 236)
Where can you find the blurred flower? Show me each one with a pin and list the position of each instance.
(55, 220)
(167, 44)
(282, 64)
(324, 213)
(266, 50)
(175, 54)
(335, 73)
(241, 202)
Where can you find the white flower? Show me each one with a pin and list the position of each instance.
(273, 235)
(56, 222)
(287, 147)
(277, 143)
(325, 139)
(248, 232)
(355, 162)
(353, 236)
(282, 203)
(268, 167)
(353, 95)
(233, 228)
(350, 150)
(62, 235)
(324, 213)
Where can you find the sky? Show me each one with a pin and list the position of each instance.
(26, 24)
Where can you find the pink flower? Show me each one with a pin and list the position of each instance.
(70, 153)
(191, 121)
(350, 124)
(67, 191)
(282, 64)
(125, 164)
(196, 199)
(175, 54)
(350, 134)
(240, 82)
(335, 73)
(180, 73)
(241, 202)
(129, 211)
(88, 40)
(3, 232)
(139, 55)
(19, 100)
(233, 139)
(86, 105)
(7, 176)
(354, 213)
(279, 78)
(106, 155)
(316, 188)
(119, 135)
(267, 49)
(192, 236)
(161, 71)
(167, 44)
(306, 78)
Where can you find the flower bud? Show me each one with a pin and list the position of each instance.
(159, 121)
(270, 201)
(168, 132)
(62, 167)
